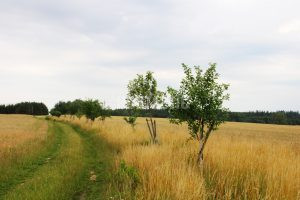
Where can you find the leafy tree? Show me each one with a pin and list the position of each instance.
(199, 103)
(62, 107)
(93, 109)
(131, 120)
(143, 94)
(132, 114)
(75, 107)
(55, 113)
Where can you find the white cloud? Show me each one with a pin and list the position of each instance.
(292, 26)
(68, 49)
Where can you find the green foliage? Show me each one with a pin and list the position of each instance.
(28, 108)
(131, 120)
(55, 113)
(199, 101)
(132, 116)
(265, 117)
(127, 178)
(92, 109)
(143, 94)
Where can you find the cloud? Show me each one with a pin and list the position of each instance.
(292, 26)
(61, 50)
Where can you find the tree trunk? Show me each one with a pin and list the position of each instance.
(152, 129)
(200, 160)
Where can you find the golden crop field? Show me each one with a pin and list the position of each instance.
(20, 135)
(242, 160)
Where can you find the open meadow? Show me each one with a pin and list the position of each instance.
(22, 138)
(111, 160)
(242, 160)
(42, 159)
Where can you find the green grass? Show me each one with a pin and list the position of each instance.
(25, 168)
(76, 156)
(100, 160)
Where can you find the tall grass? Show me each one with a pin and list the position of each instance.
(242, 160)
(20, 136)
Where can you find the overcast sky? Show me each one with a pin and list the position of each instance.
(62, 50)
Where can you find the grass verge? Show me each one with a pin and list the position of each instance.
(26, 167)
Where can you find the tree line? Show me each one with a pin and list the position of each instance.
(92, 109)
(279, 117)
(263, 117)
(28, 108)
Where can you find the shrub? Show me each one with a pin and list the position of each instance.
(127, 178)
(55, 113)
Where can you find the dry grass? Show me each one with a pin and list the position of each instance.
(20, 135)
(243, 160)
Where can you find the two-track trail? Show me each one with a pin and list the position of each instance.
(77, 166)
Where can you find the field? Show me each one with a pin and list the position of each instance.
(243, 160)
(21, 137)
(110, 160)
(49, 160)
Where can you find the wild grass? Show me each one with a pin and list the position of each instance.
(17, 131)
(61, 162)
(21, 138)
(242, 160)
(59, 176)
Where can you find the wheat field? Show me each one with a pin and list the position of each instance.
(242, 160)
(20, 136)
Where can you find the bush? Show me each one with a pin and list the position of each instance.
(127, 178)
(55, 113)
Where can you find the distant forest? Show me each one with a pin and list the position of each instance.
(28, 108)
(279, 117)
(34, 108)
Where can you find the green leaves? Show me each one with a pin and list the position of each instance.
(92, 109)
(143, 93)
(199, 101)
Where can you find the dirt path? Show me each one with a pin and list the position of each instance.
(78, 167)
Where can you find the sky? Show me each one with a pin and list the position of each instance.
(67, 49)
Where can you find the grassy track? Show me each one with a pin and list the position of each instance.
(99, 157)
(24, 169)
(79, 169)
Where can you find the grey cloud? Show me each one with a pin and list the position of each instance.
(53, 50)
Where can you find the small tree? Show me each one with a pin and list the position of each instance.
(131, 120)
(55, 113)
(199, 102)
(143, 94)
(93, 109)
(133, 114)
(104, 112)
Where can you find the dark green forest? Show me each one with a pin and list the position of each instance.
(76, 108)
(264, 117)
(29, 108)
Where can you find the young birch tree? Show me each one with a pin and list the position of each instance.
(199, 103)
(143, 94)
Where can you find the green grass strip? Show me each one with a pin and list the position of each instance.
(99, 158)
(18, 173)
(81, 169)
(59, 178)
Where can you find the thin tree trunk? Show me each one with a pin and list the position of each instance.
(152, 129)
(200, 160)
(155, 130)
(149, 127)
